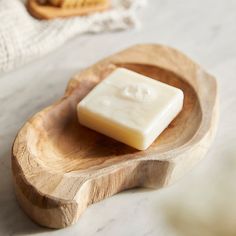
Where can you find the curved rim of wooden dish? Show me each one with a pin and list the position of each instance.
(50, 12)
(73, 190)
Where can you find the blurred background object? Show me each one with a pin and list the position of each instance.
(65, 8)
(23, 38)
(76, 3)
(208, 208)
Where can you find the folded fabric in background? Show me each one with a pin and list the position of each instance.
(24, 38)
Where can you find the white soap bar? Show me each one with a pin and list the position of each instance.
(131, 108)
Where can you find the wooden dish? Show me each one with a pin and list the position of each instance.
(60, 167)
(50, 12)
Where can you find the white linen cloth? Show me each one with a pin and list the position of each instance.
(24, 38)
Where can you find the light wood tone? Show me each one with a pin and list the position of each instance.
(60, 167)
(46, 11)
(76, 3)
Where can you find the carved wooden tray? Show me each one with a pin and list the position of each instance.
(60, 167)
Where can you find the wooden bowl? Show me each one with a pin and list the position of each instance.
(60, 167)
(47, 12)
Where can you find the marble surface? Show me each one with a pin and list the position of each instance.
(206, 31)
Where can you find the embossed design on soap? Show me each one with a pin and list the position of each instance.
(138, 93)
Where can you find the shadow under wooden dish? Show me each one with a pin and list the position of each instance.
(60, 167)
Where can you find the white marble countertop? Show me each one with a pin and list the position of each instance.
(206, 31)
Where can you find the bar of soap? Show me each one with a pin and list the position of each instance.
(130, 107)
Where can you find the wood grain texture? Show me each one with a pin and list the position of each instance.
(60, 167)
(42, 11)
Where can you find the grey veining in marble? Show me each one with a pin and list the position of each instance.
(204, 30)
